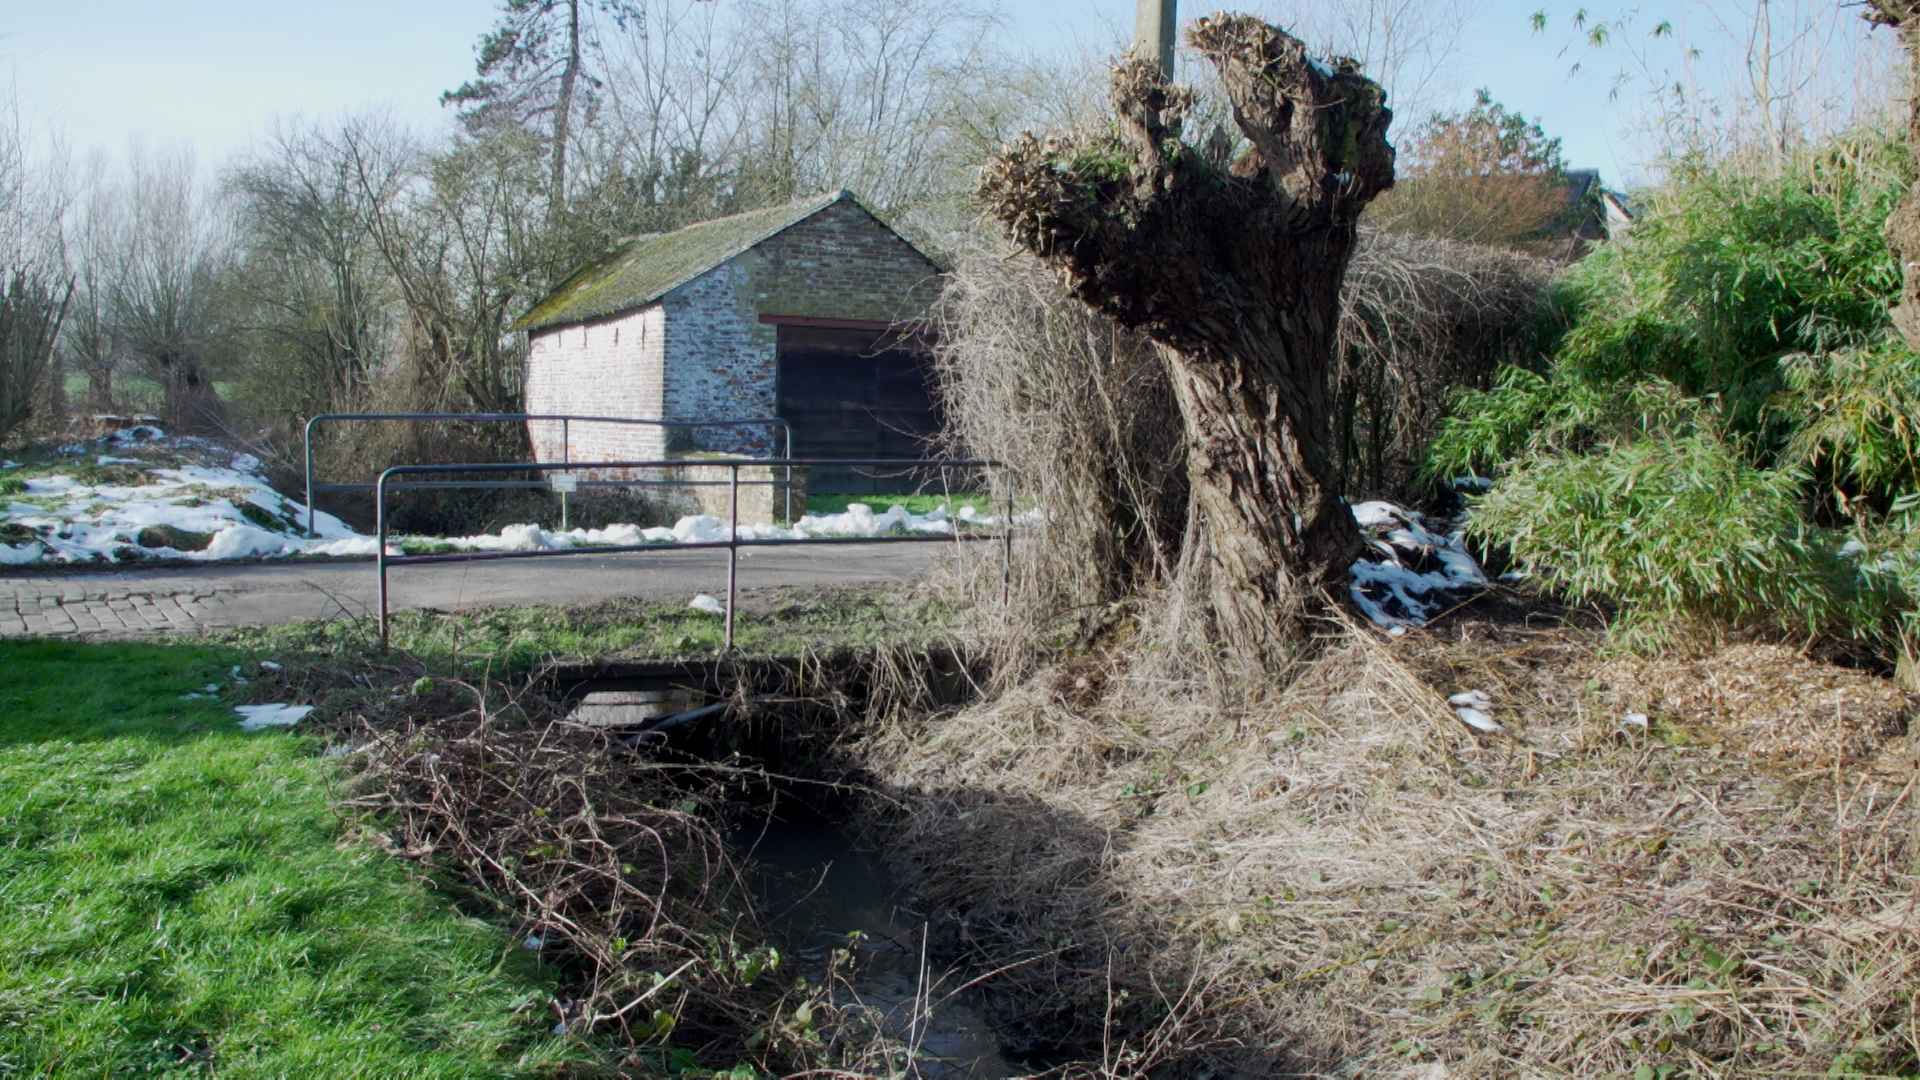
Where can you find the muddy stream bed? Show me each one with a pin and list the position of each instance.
(822, 894)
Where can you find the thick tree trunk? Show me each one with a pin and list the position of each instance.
(563, 115)
(1260, 463)
(1235, 271)
(1903, 225)
(188, 401)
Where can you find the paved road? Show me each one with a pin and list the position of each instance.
(172, 599)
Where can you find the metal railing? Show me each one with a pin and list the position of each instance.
(383, 561)
(566, 421)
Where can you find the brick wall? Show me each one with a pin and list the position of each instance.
(720, 360)
(703, 353)
(720, 363)
(608, 367)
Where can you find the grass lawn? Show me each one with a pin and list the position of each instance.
(774, 622)
(176, 896)
(915, 504)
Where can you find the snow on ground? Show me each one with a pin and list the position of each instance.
(125, 508)
(138, 507)
(1412, 572)
(857, 522)
(261, 717)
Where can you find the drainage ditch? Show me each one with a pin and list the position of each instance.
(800, 822)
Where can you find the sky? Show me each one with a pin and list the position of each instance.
(217, 73)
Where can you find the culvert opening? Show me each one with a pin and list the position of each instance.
(808, 829)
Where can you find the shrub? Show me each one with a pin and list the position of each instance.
(1727, 379)
(1853, 417)
(1681, 531)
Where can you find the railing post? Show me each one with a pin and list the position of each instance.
(380, 552)
(565, 459)
(733, 544)
(307, 439)
(789, 430)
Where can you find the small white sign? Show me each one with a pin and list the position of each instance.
(563, 483)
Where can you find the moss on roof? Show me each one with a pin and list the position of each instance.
(647, 268)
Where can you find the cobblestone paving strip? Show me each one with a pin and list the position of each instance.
(105, 613)
(140, 602)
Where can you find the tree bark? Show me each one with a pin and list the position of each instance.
(1234, 269)
(563, 115)
(1903, 225)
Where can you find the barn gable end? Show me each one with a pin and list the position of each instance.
(705, 323)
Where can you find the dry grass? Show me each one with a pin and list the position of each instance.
(620, 861)
(1338, 877)
(1765, 702)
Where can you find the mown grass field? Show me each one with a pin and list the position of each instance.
(772, 623)
(177, 896)
(915, 504)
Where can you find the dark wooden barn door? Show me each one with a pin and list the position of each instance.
(855, 393)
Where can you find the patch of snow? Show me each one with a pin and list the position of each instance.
(1633, 721)
(109, 459)
(1472, 699)
(261, 717)
(269, 665)
(29, 552)
(9, 464)
(246, 541)
(1377, 514)
(1852, 549)
(1477, 720)
(93, 523)
(1412, 573)
(710, 605)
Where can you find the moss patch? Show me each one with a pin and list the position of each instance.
(166, 536)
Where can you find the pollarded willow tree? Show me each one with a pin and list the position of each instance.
(1232, 265)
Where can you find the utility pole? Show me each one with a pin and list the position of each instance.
(1153, 24)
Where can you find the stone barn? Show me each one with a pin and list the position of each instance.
(813, 312)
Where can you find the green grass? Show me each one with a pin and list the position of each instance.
(136, 393)
(175, 897)
(790, 623)
(915, 504)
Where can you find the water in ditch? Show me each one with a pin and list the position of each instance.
(818, 892)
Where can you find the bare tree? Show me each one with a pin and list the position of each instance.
(669, 142)
(1233, 266)
(89, 340)
(35, 288)
(860, 94)
(163, 292)
(1724, 78)
(466, 249)
(1408, 46)
(312, 289)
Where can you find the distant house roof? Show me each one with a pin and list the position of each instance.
(1620, 212)
(647, 268)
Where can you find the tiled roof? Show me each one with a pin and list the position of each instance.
(647, 268)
